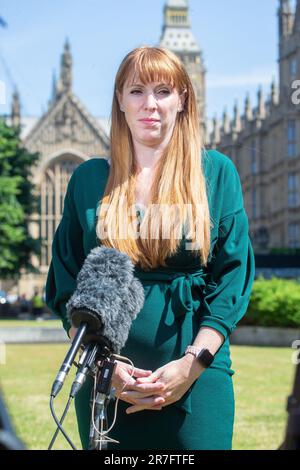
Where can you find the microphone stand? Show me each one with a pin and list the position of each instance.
(99, 402)
(97, 350)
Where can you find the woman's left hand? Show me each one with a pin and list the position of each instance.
(177, 377)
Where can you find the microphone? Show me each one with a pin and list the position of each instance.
(68, 361)
(87, 360)
(106, 300)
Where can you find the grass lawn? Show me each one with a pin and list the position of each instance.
(26, 381)
(263, 380)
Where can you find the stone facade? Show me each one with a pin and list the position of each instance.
(264, 143)
(66, 135)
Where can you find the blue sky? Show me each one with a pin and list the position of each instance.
(239, 39)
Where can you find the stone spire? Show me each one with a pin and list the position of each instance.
(177, 36)
(66, 67)
(274, 93)
(64, 84)
(236, 124)
(248, 109)
(16, 109)
(261, 110)
(286, 18)
(226, 123)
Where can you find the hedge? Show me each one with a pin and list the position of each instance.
(274, 302)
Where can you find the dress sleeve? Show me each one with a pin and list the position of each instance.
(67, 258)
(232, 265)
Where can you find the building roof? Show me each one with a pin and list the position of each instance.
(28, 123)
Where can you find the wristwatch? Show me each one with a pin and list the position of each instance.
(203, 355)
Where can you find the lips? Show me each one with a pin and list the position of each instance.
(149, 120)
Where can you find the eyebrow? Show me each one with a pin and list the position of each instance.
(142, 84)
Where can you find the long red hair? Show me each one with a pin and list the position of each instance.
(178, 183)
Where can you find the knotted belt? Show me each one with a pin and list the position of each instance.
(186, 294)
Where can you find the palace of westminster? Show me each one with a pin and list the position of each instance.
(263, 141)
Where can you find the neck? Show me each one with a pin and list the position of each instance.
(146, 156)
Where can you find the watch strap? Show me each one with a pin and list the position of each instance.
(203, 355)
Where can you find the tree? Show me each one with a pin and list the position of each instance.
(17, 204)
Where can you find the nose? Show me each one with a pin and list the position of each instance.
(150, 101)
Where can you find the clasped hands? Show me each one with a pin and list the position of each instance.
(147, 390)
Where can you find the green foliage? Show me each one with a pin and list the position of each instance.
(274, 302)
(17, 204)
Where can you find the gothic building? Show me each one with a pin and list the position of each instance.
(66, 135)
(263, 142)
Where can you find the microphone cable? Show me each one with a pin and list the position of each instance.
(59, 423)
(103, 434)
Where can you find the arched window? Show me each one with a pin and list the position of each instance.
(52, 192)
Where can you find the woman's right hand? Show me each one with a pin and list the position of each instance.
(150, 396)
(122, 381)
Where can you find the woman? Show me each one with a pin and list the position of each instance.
(197, 280)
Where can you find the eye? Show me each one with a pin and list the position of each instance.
(135, 91)
(164, 91)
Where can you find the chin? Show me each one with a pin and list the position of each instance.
(151, 140)
(150, 137)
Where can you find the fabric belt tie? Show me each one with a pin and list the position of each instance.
(186, 292)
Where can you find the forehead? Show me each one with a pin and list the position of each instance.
(135, 78)
(137, 81)
(146, 77)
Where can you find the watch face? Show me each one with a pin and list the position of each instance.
(205, 357)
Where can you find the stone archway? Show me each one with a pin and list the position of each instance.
(52, 192)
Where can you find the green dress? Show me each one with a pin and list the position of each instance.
(179, 300)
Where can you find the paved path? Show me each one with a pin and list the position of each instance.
(243, 335)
